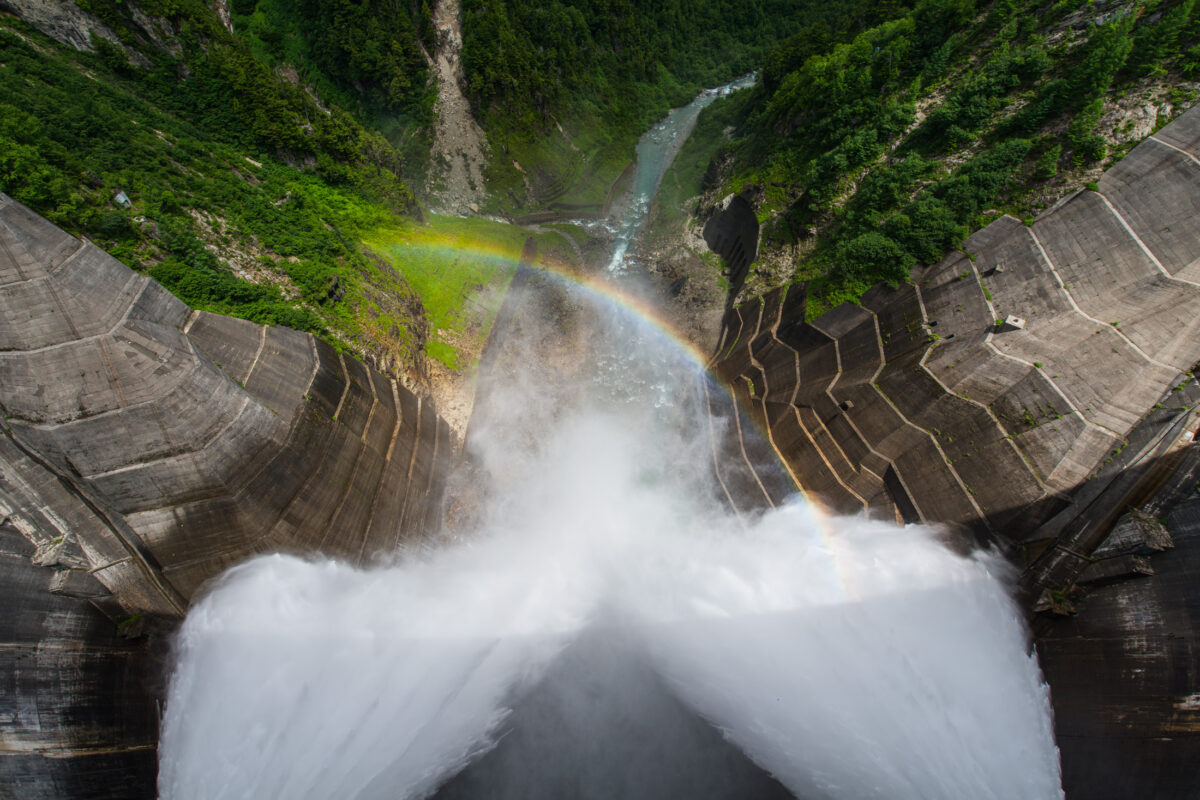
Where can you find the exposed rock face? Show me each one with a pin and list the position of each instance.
(147, 447)
(221, 9)
(732, 233)
(460, 147)
(1031, 389)
(67, 23)
(62, 21)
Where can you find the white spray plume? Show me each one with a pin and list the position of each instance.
(848, 659)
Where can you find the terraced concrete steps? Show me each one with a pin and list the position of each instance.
(915, 402)
(208, 438)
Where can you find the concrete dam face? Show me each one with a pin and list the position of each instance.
(146, 448)
(1033, 353)
(1031, 388)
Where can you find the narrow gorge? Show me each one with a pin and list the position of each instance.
(925, 530)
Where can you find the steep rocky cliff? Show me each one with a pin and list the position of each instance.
(147, 447)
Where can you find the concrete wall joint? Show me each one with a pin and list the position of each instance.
(712, 442)
(824, 458)
(80, 339)
(47, 426)
(262, 345)
(1190, 157)
(1071, 299)
(1142, 245)
(399, 422)
(737, 418)
(967, 493)
(986, 409)
(316, 361)
(126, 540)
(83, 245)
(245, 403)
(345, 386)
(945, 459)
(10, 256)
(828, 391)
(412, 461)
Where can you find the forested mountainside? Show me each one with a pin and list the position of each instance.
(246, 154)
(373, 50)
(866, 156)
(564, 88)
(246, 157)
(168, 142)
(267, 159)
(371, 58)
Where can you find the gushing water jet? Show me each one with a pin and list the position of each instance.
(608, 626)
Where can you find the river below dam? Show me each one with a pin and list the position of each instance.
(602, 624)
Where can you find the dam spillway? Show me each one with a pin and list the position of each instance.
(600, 530)
(613, 617)
(586, 526)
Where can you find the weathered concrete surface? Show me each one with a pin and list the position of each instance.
(1031, 388)
(208, 438)
(1123, 669)
(77, 719)
(913, 402)
(147, 447)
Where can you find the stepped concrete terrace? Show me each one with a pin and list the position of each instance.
(1032, 355)
(146, 448)
(1031, 388)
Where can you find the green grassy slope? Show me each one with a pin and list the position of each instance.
(460, 268)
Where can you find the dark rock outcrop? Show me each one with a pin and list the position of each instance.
(732, 233)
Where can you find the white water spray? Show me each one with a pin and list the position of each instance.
(847, 658)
